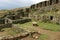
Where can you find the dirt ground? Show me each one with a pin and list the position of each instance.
(28, 38)
(52, 35)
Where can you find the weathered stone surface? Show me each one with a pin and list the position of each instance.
(45, 3)
(20, 36)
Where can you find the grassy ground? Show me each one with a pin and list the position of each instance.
(43, 37)
(49, 26)
(12, 31)
(26, 26)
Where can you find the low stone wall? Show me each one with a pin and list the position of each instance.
(21, 21)
(44, 4)
(18, 37)
(5, 26)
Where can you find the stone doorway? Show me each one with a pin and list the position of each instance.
(51, 17)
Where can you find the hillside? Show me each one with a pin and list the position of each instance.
(46, 13)
(40, 21)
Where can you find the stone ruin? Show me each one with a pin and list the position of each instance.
(14, 16)
(45, 3)
(42, 6)
(5, 23)
(19, 14)
(34, 35)
(45, 7)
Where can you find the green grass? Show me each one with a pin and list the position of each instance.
(43, 37)
(13, 31)
(49, 26)
(46, 26)
(26, 26)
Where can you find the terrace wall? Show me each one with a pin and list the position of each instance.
(44, 4)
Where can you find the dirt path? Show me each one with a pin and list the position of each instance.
(52, 35)
(28, 38)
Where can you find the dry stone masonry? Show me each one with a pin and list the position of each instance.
(45, 3)
(46, 11)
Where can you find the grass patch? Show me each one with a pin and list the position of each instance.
(13, 31)
(49, 26)
(43, 37)
(26, 26)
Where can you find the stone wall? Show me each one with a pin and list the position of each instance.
(21, 21)
(47, 12)
(2, 21)
(19, 37)
(5, 26)
(44, 3)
